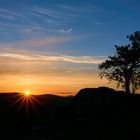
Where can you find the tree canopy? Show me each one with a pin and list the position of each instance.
(124, 66)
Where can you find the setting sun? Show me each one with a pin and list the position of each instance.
(27, 93)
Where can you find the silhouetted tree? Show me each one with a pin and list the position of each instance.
(124, 66)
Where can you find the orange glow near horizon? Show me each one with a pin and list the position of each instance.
(61, 85)
(27, 93)
(53, 83)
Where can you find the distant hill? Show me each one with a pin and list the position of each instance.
(93, 113)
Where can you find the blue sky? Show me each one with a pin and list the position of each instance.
(96, 25)
(73, 35)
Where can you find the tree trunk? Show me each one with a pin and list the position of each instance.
(127, 86)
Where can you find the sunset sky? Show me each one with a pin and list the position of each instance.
(55, 46)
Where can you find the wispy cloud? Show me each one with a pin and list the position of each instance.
(36, 19)
(86, 8)
(45, 19)
(65, 31)
(57, 18)
(41, 57)
(46, 12)
(37, 42)
(10, 14)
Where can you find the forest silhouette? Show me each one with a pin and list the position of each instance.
(92, 114)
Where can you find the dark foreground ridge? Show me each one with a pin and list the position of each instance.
(93, 114)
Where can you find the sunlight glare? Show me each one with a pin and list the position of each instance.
(27, 93)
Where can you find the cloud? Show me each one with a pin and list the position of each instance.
(28, 20)
(46, 12)
(86, 8)
(37, 42)
(9, 14)
(56, 19)
(42, 57)
(37, 19)
(40, 19)
(65, 31)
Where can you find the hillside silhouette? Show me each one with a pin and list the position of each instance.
(92, 114)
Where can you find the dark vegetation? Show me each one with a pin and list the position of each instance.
(93, 114)
(124, 66)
